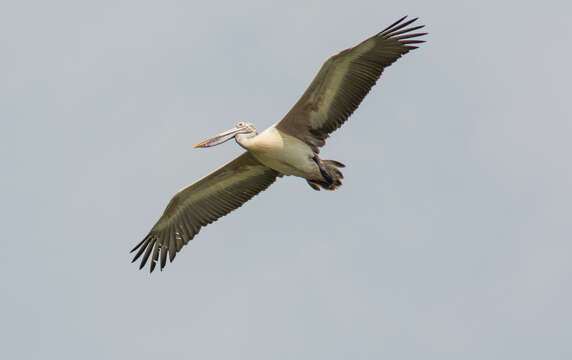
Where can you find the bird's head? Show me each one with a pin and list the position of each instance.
(241, 130)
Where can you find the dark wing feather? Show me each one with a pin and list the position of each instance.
(344, 80)
(202, 203)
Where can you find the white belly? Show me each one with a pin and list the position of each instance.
(284, 153)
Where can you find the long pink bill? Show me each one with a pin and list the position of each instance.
(218, 139)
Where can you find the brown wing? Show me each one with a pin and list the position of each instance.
(343, 81)
(202, 203)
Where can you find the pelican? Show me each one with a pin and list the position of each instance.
(289, 147)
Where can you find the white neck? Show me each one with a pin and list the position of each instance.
(245, 140)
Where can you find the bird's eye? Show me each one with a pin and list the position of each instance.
(240, 124)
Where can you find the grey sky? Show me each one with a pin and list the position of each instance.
(449, 239)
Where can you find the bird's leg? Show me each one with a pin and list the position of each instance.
(323, 171)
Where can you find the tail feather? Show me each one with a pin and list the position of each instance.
(331, 167)
(335, 163)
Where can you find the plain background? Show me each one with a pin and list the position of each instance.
(450, 238)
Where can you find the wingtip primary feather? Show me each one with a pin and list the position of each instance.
(397, 26)
(142, 245)
(150, 245)
(395, 33)
(163, 257)
(399, 30)
(409, 36)
(392, 25)
(138, 245)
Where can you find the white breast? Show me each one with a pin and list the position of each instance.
(283, 153)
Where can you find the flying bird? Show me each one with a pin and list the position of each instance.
(289, 147)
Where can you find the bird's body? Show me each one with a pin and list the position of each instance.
(289, 147)
(284, 153)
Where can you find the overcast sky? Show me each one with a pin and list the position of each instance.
(450, 238)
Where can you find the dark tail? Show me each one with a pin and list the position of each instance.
(332, 176)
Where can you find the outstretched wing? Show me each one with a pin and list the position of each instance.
(202, 203)
(344, 80)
